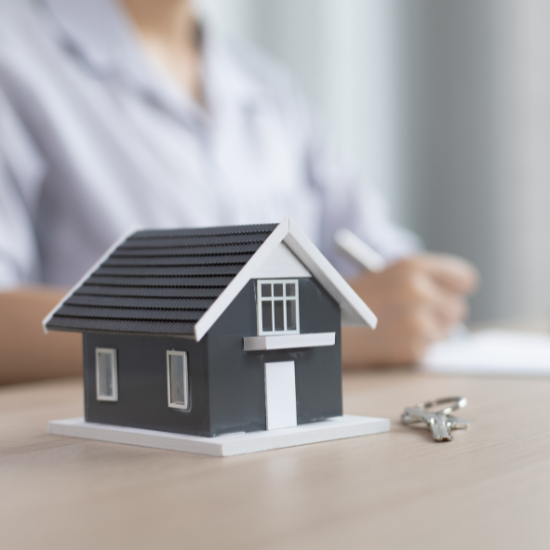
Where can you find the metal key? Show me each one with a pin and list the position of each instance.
(438, 423)
(456, 423)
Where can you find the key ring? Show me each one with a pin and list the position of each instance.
(457, 402)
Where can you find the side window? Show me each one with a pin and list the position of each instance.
(278, 311)
(178, 387)
(106, 374)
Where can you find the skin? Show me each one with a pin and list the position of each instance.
(416, 300)
(27, 353)
(167, 30)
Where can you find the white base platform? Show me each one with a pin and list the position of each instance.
(340, 427)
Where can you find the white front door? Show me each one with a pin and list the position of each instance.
(280, 395)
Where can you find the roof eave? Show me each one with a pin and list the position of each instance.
(87, 275)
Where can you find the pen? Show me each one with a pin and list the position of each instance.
(360, 251)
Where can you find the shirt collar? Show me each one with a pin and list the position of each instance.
(98, 30)
(100, 33)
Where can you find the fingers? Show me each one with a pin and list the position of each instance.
(440, 284)
(450, 271)
(417, 302)
(425, 313)
(449, 307)
(417, 332)
(451, 278)
(419, 290)
(402, 337)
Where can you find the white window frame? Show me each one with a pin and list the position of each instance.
(185, 380)
(113, 354)
(260, 299)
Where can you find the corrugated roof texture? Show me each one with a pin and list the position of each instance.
(160, 281)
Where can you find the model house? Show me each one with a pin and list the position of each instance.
(212, 331)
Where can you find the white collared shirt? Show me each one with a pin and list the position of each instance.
(94, 139)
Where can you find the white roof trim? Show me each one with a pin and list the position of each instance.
(88, 273)
(214, 312)
(354, 311)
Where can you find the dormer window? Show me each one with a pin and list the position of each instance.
(278, 311)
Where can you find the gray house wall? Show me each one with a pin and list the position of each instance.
(226, 384)
(142, 384)
(236, 378)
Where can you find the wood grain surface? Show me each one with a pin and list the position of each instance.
(489, 488)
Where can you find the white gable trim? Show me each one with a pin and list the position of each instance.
(354, 311)
(281, 263)
(214, 312)
(88, 274)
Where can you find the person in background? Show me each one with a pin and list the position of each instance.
(133, 112)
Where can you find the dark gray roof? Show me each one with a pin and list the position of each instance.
(160, 281)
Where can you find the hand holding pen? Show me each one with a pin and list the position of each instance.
(418, 300)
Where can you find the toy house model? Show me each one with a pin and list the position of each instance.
(212, 331)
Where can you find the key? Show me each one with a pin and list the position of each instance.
(437, 422)
(440, 422)
(456, 423)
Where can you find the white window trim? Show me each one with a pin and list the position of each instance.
(185, 379)
(289, 341)
(112, 352)
(271, 299)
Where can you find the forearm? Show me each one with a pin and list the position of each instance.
(364, 348)
(353, 348)
(26, 353)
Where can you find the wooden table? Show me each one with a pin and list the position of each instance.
(488, 489)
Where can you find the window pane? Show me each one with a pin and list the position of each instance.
(266, 290)
(291, 315)
(277, 290)
(279, 314)
(105, 374)
(177, 380)
(291, 289)
(267, 324)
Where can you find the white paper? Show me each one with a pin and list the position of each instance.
(491, 352)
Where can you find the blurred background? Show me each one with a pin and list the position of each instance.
(442, 105)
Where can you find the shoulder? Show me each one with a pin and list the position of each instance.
(22, 33)
(16, 17)
(28, 52)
